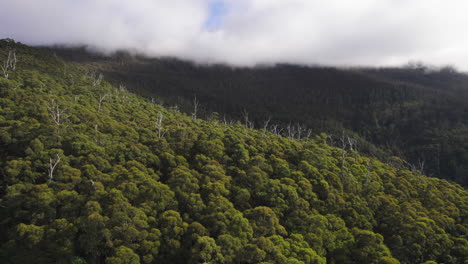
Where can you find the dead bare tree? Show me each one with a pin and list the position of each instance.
(101, 99)
(248, 123)
(421, 164)
(276, 130)
(52, 165)
(418, 169)
(343, 152)
(291, 129)
(57, 113)
(245, 115)
(195, 108)
(97, 81)
(300, 130)
(159, 126)
(265, 126)
(59, 116)
(9, 63)
(266, 123)
(13, 61)
(227, 121)
(352, 143)
(93, 184)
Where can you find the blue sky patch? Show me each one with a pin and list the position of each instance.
(218, 9)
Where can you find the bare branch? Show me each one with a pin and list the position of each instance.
(52, 164)
(266, 123)
(159, 125)
(276, 130)
(9, 63)
(245, 114)
(343, 153)
(195, 108)
(57, 114)
(13, 61)
(225, 121)
(101, 99)
(351, 142)
(97, 81)
(93, 184)
(421, 165)
(250, 125)
(300, 130)
(291, 131)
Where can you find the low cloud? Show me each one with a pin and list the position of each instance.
(250, 32)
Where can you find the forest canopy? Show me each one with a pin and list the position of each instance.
(92, 173)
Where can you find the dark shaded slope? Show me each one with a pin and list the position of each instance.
(445, 78)
(418, 114)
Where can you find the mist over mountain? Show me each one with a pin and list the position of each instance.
(251, 32)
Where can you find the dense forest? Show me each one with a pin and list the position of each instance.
(92, 173)
(417, 112)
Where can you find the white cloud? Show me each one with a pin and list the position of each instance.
(336, 32)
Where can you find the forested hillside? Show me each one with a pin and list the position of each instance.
(92, 173)
(416, 112)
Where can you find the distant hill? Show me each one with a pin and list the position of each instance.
(415, 112)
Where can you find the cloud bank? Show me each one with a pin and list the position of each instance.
(250, 32)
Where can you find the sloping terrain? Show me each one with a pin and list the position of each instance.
(417, 113)
(94, 174)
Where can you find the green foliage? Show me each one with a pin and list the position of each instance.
(202, 192)
(123, 255)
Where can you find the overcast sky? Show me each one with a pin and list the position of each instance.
(249, 32)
